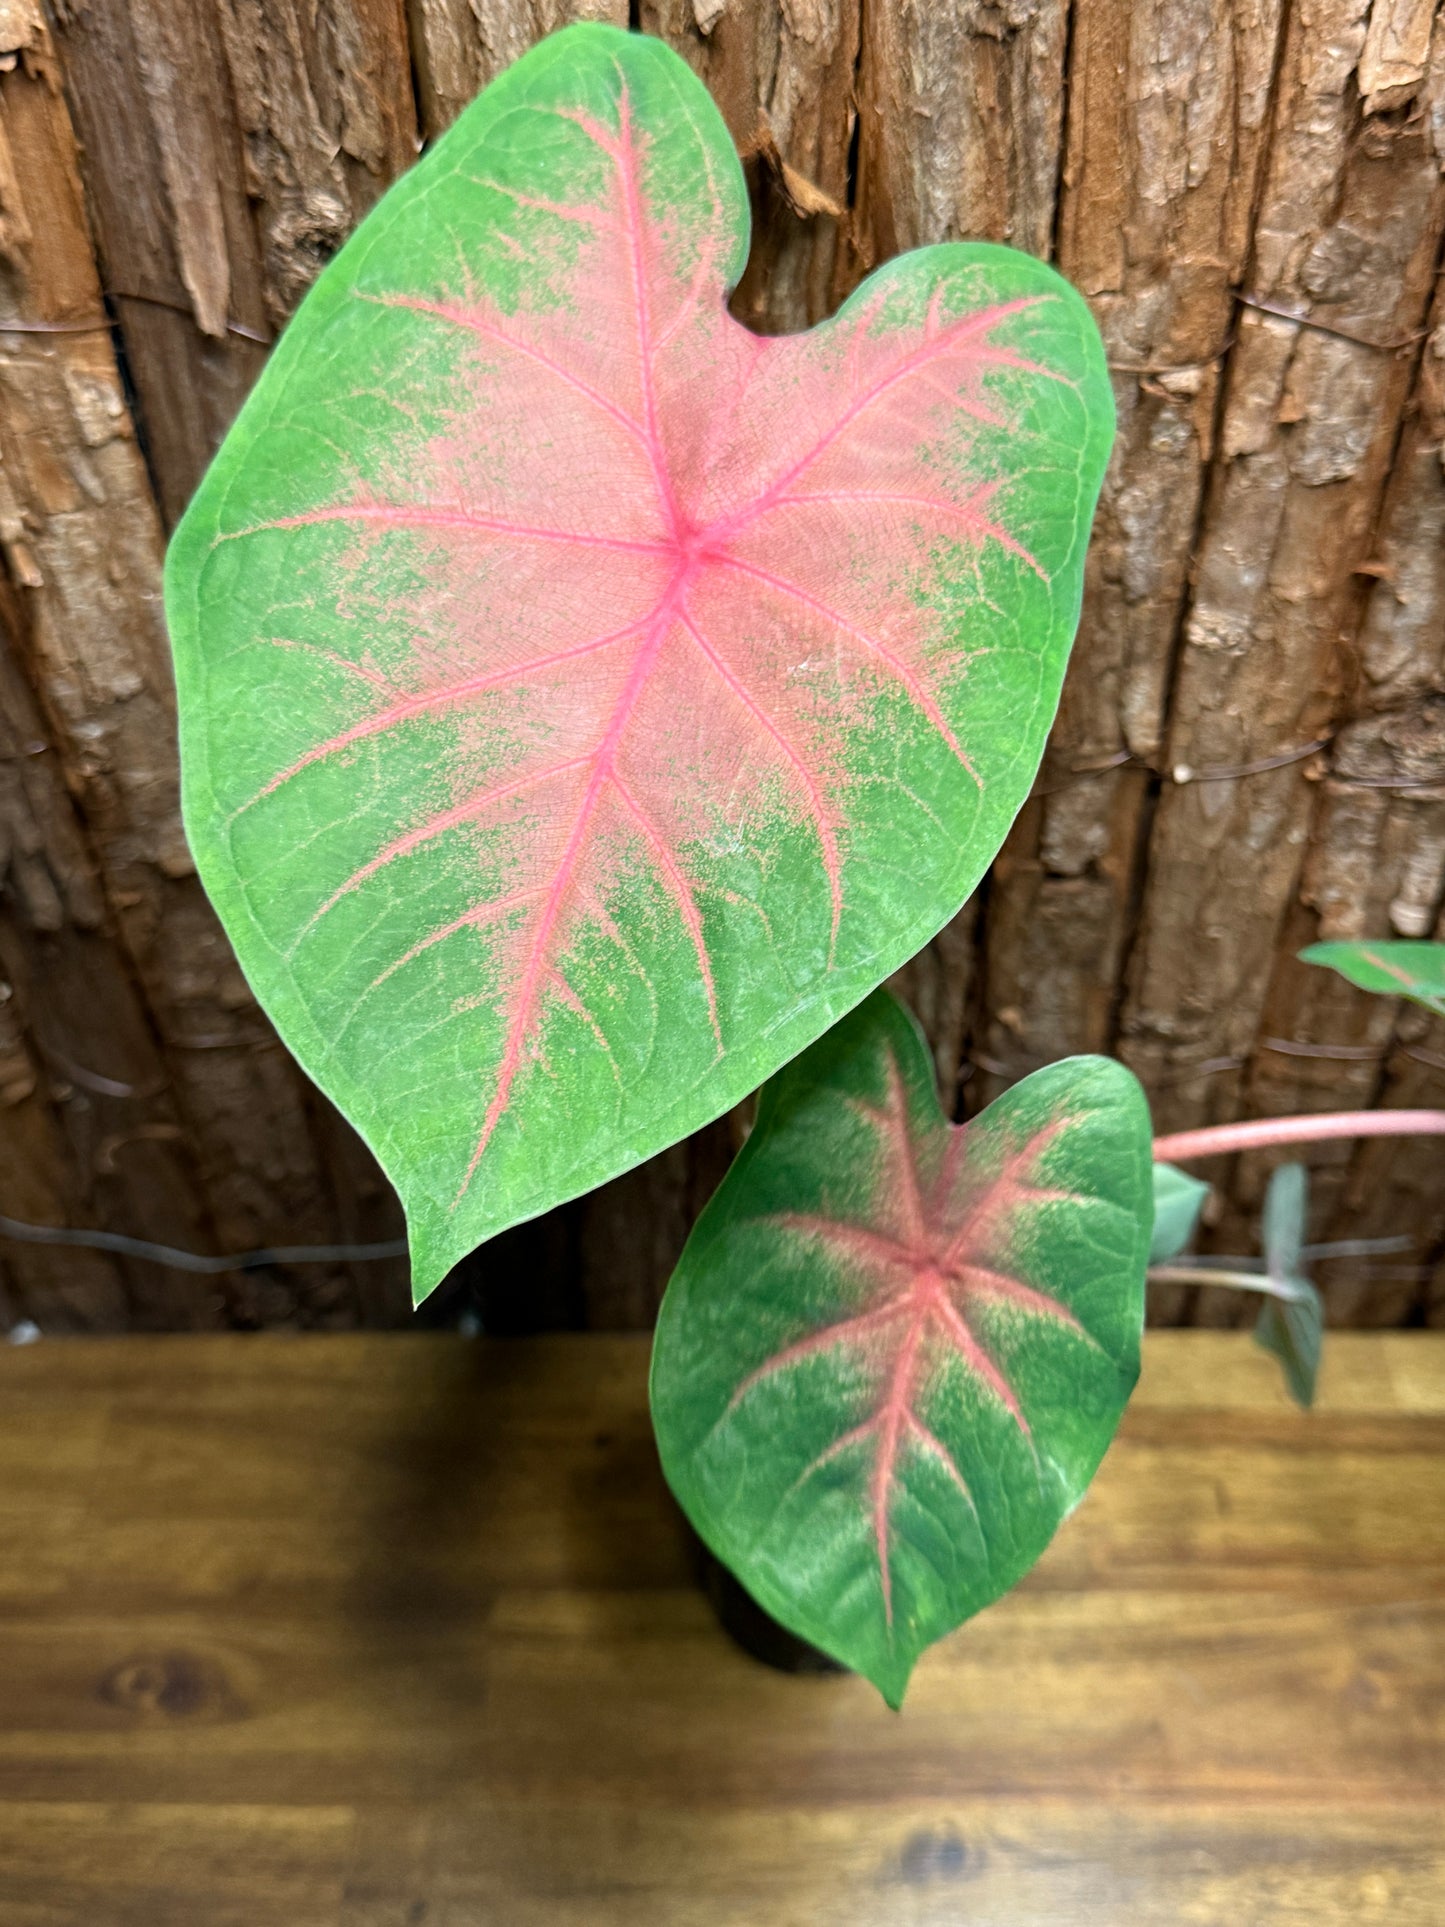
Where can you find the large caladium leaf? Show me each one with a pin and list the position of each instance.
(584, 701)
(895, 1350)
(1406, 969)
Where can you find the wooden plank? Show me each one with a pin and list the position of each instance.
(82, 539)
(404, 1628)
(925, 1863)
(1347, 236)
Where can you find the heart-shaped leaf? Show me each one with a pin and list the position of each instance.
(1414, 970)
(585, 701)
(1178, 1201)
(895, 1350)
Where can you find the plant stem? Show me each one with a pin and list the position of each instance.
(1260, 1132)
(1233, 1280)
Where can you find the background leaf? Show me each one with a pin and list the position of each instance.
(895, 1350)
(1178, 1201)
(1282, 1221)
(1413, 970)
(585, 701)
(1291, 1328)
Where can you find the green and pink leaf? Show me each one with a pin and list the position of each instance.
(584, 701)
(895, 1350)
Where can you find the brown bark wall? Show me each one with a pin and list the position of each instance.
(1250, 194)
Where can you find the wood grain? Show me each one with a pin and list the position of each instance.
(358, 1632)
(961, 113)
(458, 46)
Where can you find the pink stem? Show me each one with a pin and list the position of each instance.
(1262, 1131)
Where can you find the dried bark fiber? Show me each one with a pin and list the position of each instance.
(1268, 572)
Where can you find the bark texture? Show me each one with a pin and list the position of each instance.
(961, 116)
(1347, 237)
(782, 72)
(459, 45)
(1169, 108)
(82, 544)
(1250, 753)
(231, 148)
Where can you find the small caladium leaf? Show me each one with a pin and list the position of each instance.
(1282, 1221)
(1178, 1201)
(1291, 1322)
(584, 701)
(1413, 970)
(1292, 1330)
(895, 1350)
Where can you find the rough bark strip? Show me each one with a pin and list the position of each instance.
(630, 1233)
(938, 985)
(323, 101)
(148, 91)
(960, 113)
(781, 72)
(1348, 232)
(1402, 639)
(230, 148)
(460, 45)
(81, 538)
(368, 1211)
(95, 1103)
(1376, 868)
(1168, 108)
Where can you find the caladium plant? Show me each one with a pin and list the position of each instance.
(1394, 969)
(895, 1349)
(585, 702)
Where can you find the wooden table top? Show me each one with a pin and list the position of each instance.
(402, 1632)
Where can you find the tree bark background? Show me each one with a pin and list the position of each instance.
(1250, 753)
